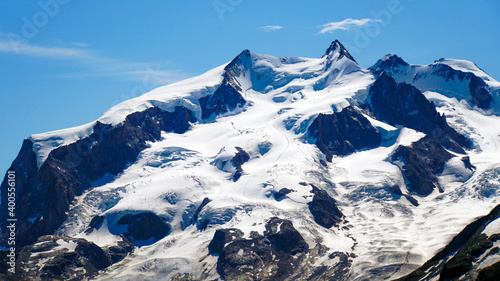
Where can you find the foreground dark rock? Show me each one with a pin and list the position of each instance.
(44, 195)
(55, 257)
(342, 133)
(273, 256)
(403, 104)
(422, 160)
(460, 258)
(281, 253)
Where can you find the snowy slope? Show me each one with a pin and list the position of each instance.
(384, 234)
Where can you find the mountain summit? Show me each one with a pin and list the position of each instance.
(269, 168)
(338, 50)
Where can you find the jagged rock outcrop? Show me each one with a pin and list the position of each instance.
(337, 47)
(238, 160)
(432, 76)
(391, 64)
(282, 193)
(464, 256)
(200, 207)
(324, 208)
(273, 256)
(228, 95)
(403, 104)
(421, 161)
(479, 93)
(46, 193)
(201, 224)
(342, 133)
(95, 224)
(142, 228)
(55, 257)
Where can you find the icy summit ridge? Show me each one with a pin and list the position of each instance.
(338, 50)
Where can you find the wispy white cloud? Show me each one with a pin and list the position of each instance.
(93, 64)
(271, 27)
(21, 48)
(344, 25)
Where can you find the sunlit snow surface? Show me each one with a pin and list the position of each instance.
(172, 176)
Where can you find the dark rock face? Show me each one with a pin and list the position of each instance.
(94, 224)
(324, 209)
(238, 160)
(198, 210)
(422, 160)
(467, 163)
(489, 273)
(396, 190)
(344, 132)
(228, 96)
(44, 194)
(403, 104)
(456, 259)
(84, 260)
(25, 167)
(221, 238)
(273, 256)
(337, 46)
(392, 63)
(478, 89)
(449, 73)
(278, 196)
(479, 93)
(143, 228)
(201, 224)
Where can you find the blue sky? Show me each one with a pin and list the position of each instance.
(65, 62)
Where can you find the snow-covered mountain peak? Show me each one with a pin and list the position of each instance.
(287, 168)
(337, 51)
(389, 61)
(468, 66)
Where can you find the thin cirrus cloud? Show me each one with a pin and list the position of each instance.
(344, 25)
(271, 27)
(93, 64)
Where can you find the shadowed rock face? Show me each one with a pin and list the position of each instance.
(238, 160)
(460, 258)
(55, 257)
(336, 46)
(272, 256)
(200, 207)
(422, 160)
(479, 92)
(143, 228)
(228, 96)
(324, 209)
(403, 104)
(344, 132)
(44, 194)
